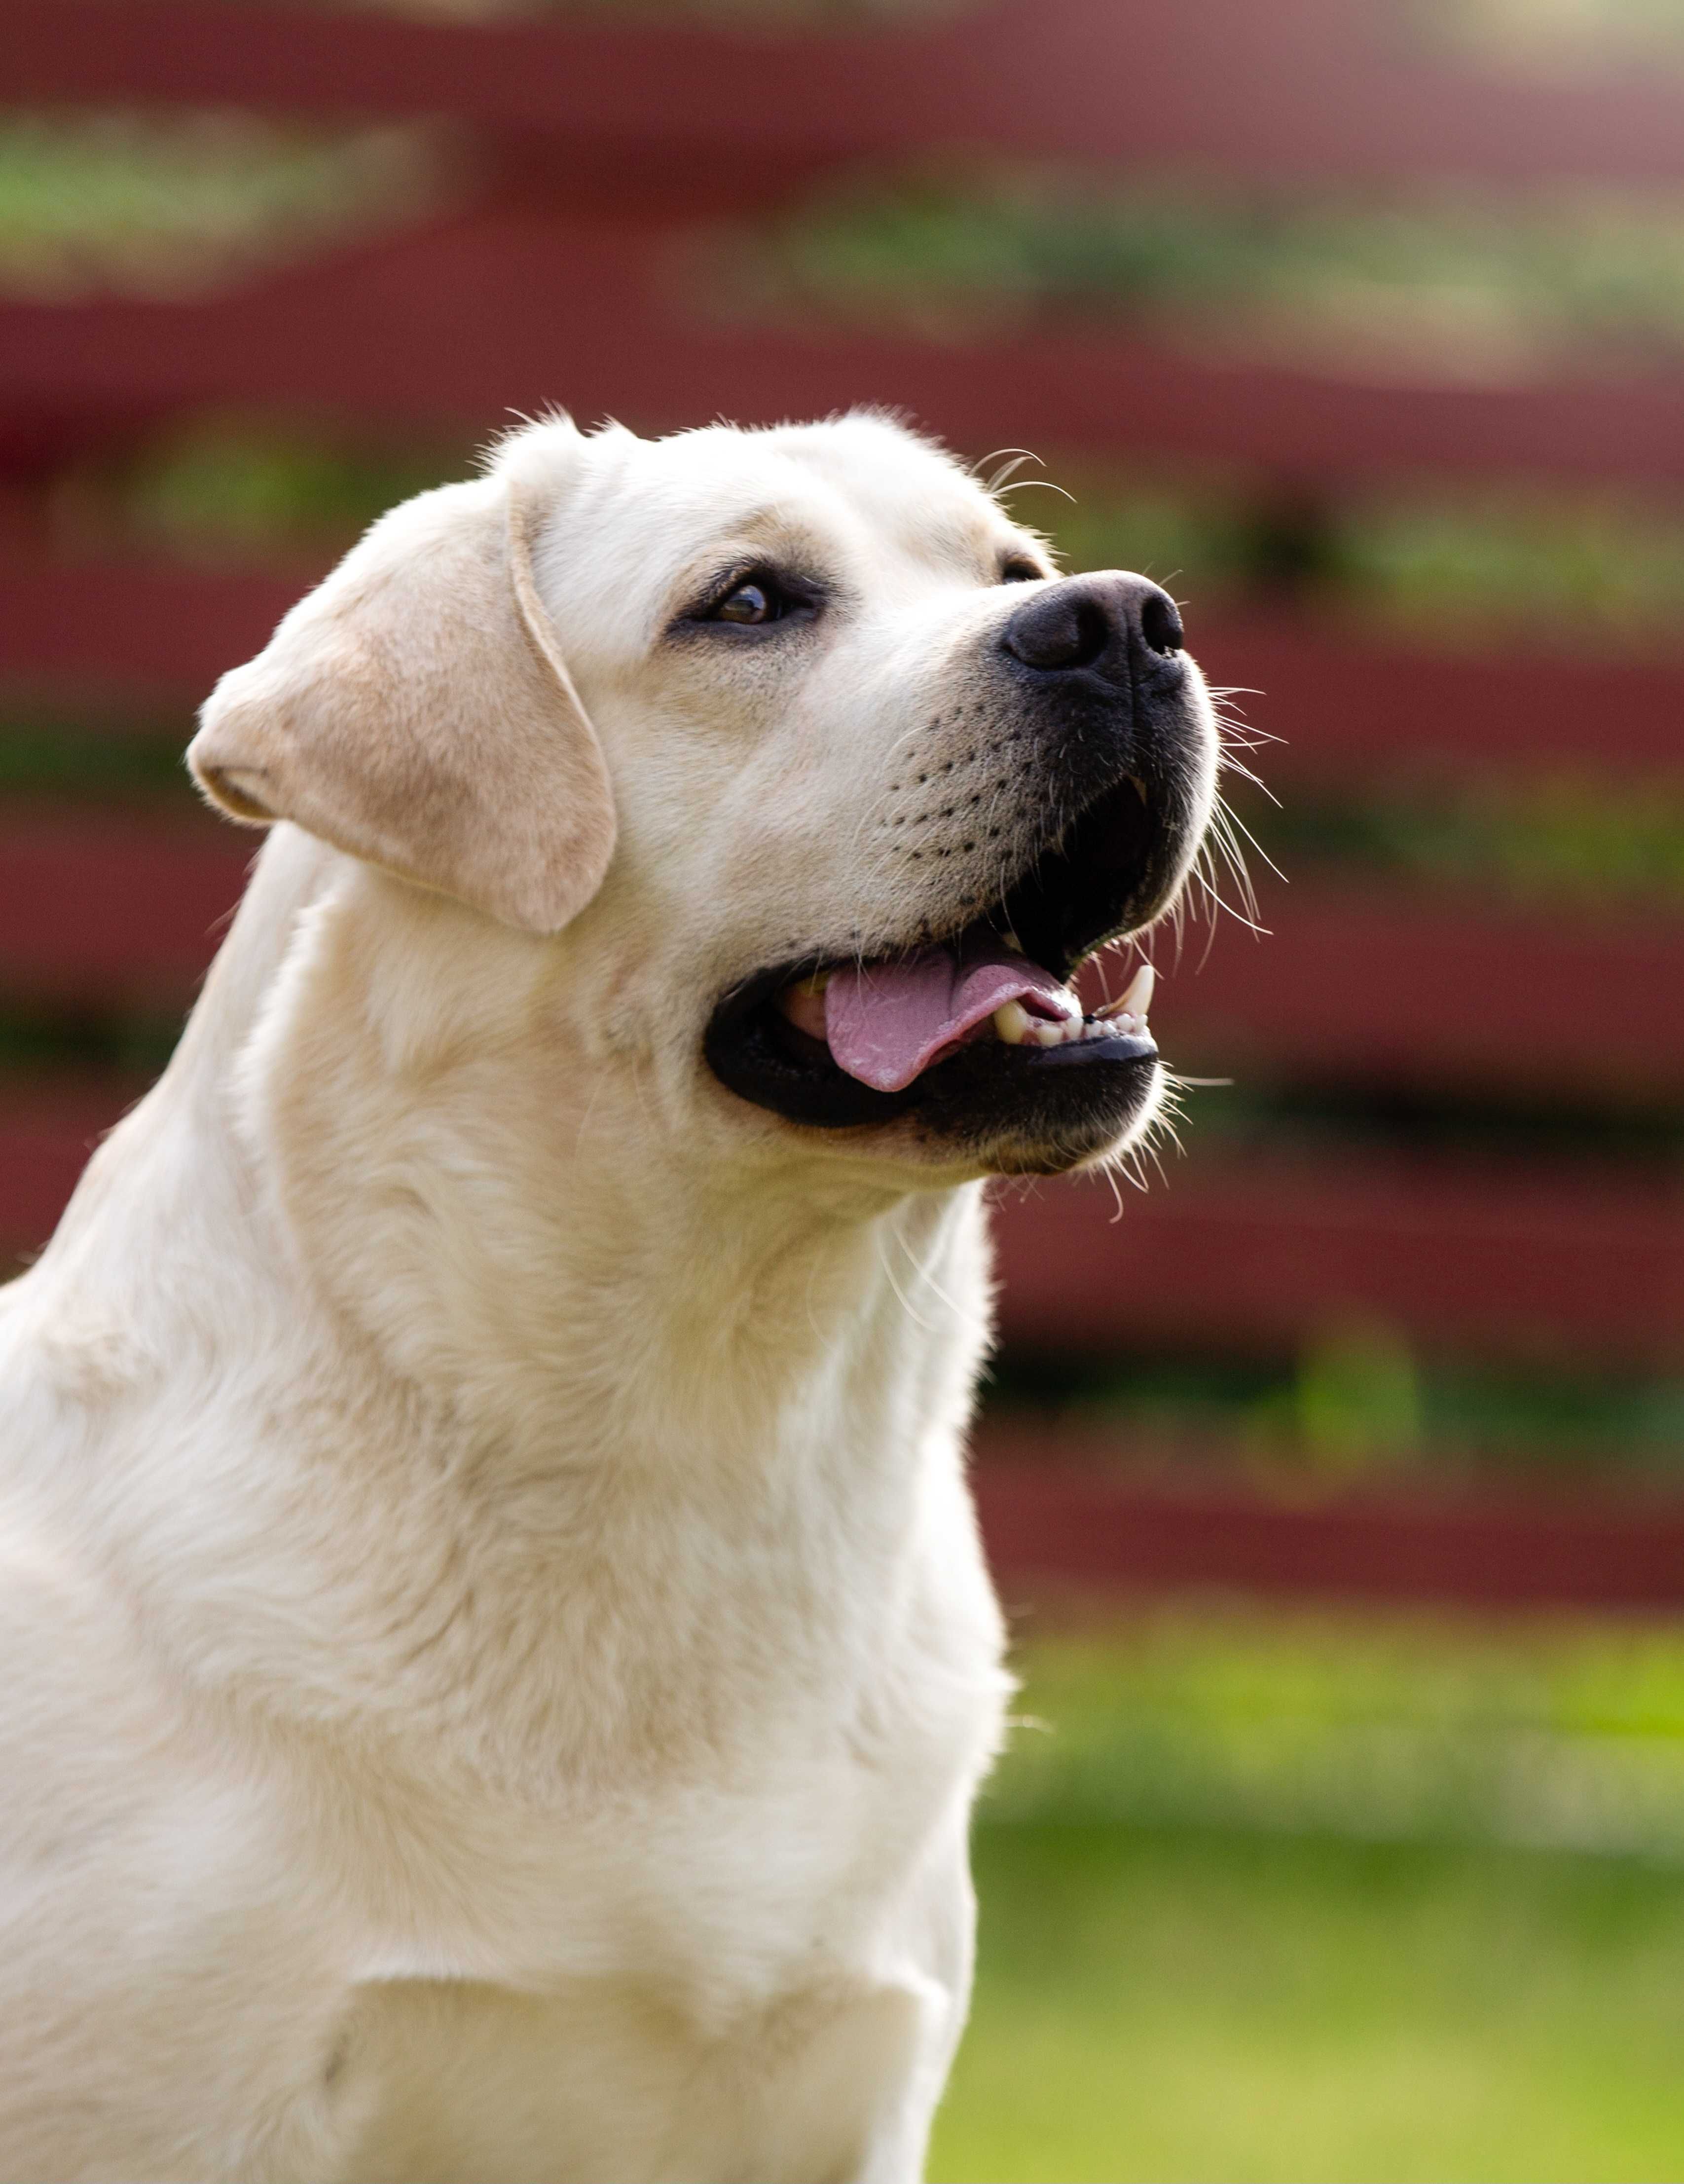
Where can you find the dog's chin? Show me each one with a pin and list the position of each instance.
(1038, 1114)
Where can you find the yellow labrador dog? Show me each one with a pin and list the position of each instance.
(497, 1657)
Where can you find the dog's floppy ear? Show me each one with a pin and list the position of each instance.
(415, 711)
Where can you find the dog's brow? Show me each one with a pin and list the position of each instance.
(767, 532)
(968, 539)
(764, 527)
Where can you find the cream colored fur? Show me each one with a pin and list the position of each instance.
(497, 1659)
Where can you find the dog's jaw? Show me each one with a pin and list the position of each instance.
(975, 1050)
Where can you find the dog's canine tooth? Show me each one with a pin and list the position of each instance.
(1137, 1000)
(1012, 1024)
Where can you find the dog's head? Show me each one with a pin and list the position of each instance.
(826, 780)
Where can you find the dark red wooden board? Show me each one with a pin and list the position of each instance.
(1303, 89)
(137, 634)
(1482, 1259)
(96, 911)
(1431, 990)
(1055, 1523)
(1360, 710)
(48, 1127)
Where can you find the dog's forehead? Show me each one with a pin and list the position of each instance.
(858, 485)
(908, 492)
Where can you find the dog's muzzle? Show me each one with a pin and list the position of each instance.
(1114, 789)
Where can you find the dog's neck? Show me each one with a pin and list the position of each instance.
(516, 1216)
(382, 1227)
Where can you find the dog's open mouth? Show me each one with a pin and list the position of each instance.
(849, 1042)
(885, 1022)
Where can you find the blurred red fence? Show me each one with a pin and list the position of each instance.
(593, 145)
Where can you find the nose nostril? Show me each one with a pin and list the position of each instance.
(1160, 625)
(1064, 629)
(1091, 634)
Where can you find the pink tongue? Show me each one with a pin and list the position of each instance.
(888, 1021)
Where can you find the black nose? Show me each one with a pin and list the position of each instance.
(1113, 622)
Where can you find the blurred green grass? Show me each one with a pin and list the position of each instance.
(1267, 1899)
(1568, 40)
(118, 202)
(1553, 840)
(1438, 281)
(1356, 1398)
(1195, 2006)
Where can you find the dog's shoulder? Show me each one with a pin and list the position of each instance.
(91, 1737)
(146, 1885)
(102, 1756)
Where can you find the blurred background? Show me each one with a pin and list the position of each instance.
(1335, 1477)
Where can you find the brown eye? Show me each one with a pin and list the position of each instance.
(748, 603)
(759, 598)
(1017, 571)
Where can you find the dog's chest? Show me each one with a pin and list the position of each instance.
(722, 1984)
(444, 2080)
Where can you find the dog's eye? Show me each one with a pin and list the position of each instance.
(750, 603)
(1018, 569)
(754, 599)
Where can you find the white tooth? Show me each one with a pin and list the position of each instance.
(1137, 1000)
(1048, 1035)
(1012, 1023)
